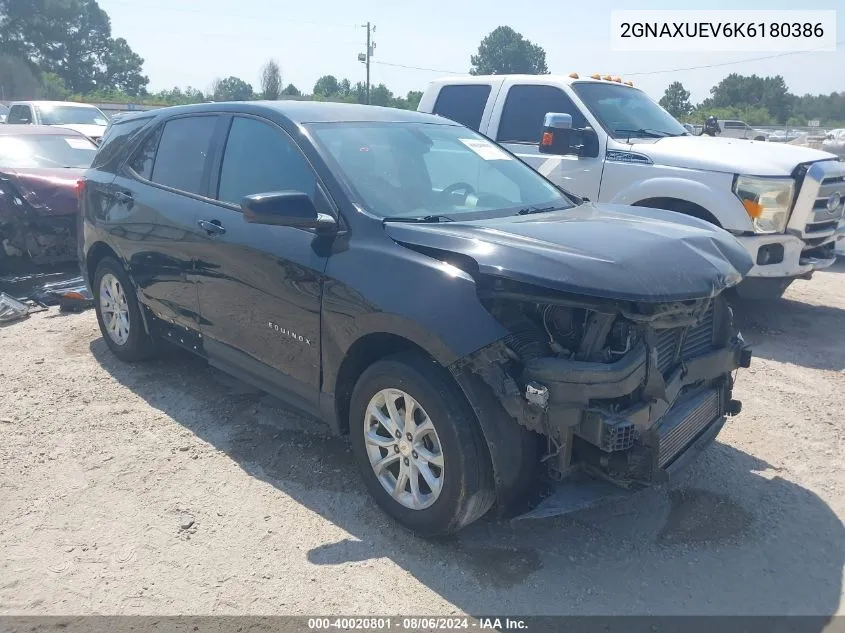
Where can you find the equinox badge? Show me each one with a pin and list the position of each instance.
(285, 332)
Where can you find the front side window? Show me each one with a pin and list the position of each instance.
(525, 110)
(19, 114)
(626, 112)
(259, 158)
(116, 137)
(182, 153)
(70, 115)
(46, 150)
(443, 170)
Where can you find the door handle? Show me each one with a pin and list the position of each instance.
(212, 227)
(124, 197)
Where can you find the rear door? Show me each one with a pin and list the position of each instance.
(517, 119)
(157, 198)
(467, 104)
(260, 286)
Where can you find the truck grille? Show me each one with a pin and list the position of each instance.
(811, 217)
(698, 341)
(684, 422)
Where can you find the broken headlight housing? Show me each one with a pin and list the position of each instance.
(767, 201)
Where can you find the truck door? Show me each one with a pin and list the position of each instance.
(517, 120)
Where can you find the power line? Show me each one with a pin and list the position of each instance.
(740, 61)
(434, 70)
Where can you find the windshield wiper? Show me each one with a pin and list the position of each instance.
(530, 210)
(425, 218)
(643, 132)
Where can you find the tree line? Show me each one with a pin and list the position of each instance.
(757, 101)
(64, 49)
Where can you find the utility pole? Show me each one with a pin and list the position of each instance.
(365, 57)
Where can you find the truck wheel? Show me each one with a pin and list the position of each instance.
(419, 446)
(119, 314)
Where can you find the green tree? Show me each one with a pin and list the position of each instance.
(326, 86)
(752, 91)
(676, 100)
(53, 87)
(291, 91)
(380, 95)
(72, 39)
(271, 81)
(413, 99)
(504, 51)
(232, 89)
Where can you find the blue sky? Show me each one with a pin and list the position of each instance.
(190, 42)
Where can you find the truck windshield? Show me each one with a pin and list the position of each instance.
(626, 112)
(71, 115)
(432, 172)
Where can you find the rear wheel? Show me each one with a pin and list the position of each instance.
(119, 314)
(419, 446)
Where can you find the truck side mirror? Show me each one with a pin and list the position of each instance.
(559, 137)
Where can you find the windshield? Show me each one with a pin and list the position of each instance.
(46, 150)
(421, 170)
(71, 115)
(626, 112)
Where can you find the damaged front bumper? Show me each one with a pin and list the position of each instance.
(610, 429)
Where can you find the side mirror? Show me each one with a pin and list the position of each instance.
(559, 137)
(286, 208)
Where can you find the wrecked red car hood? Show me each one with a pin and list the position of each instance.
(49, 192)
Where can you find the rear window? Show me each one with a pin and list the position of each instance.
(182, 153)
(463, 104)
(46, 150)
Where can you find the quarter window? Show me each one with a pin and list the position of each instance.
(142, 161)
(525, 108)
(259, 158)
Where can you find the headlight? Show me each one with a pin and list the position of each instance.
(766, 200)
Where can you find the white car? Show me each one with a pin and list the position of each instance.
(80, 117)
(834, 142)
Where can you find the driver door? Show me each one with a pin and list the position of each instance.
(518, 120)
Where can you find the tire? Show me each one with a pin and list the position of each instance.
(136, 344)
(466, 490)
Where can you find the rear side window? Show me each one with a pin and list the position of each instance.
(116, 138)
(260, 158)
(463, 104)
(19, 114)
(182, 153)
(526, 107)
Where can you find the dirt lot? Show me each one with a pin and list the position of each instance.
(165, 488)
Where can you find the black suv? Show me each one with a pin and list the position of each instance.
(474, 328)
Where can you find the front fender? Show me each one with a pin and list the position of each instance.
(715, 197)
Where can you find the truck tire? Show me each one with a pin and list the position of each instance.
(419, 447)
(119, 314)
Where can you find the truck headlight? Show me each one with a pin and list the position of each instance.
(767, 201)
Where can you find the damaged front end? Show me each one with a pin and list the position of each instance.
(624, 394)
(38, 217)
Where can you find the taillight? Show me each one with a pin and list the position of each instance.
(80, 189)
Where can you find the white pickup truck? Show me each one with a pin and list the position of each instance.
(783, 202)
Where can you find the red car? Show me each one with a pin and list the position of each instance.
(39, 170)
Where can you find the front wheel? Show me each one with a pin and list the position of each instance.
(419, 447)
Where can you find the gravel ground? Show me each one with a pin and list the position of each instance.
(166, 488)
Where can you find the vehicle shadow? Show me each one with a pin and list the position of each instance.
(732, 537)
(794, 332)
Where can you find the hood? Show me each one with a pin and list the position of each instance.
(49, 192)
(730, 155)
(598, 250)
(91, 131)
